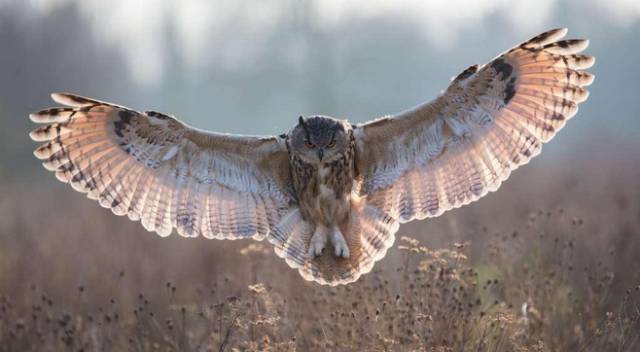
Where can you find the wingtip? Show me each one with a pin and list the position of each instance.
(558, 32)
(592, 77)
(70, 99)
(38, 135)
(547, 37)
(63, 98)
(58, 96)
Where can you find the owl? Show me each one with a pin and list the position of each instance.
(329, 195)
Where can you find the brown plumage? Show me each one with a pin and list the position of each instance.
(325, 184)
(324, 190)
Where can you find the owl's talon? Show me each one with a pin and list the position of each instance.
(340, 246)
(317, 243)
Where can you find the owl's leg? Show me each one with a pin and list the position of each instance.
(339, 244)
(318, 241)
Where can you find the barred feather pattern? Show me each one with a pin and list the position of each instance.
(155, 169)
(369, 233)
(419, 163)
(492, 119)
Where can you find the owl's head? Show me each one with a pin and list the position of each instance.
(319, 139)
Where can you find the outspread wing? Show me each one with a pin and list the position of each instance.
(156, 169)
(491, 119)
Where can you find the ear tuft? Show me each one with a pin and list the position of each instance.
(301, 120)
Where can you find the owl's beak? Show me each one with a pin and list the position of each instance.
(320, 154)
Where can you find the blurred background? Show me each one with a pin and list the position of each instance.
(252, 67)
(247, 67)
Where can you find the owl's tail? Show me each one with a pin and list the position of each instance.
(369, 233)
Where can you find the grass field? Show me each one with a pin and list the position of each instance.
(549, 263)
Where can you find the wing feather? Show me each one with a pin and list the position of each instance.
(492, 119)
(155, 169)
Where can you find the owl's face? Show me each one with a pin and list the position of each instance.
(319, 139)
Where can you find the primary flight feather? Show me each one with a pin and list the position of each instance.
(328, 195)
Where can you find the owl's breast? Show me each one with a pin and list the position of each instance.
(324, 191)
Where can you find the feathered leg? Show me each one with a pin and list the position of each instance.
(318, 241)
(339, 244)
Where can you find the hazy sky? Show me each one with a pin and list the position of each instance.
(137, 25)
(253, 66)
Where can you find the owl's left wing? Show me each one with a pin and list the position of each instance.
(156, 169)
(490, 120)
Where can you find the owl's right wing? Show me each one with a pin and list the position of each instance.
(492, 119)
(156, 169)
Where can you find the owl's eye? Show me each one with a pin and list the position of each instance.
(309, 144)
(331, 144)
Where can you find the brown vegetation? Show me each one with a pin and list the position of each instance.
(507, 277)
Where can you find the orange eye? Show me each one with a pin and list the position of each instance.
(331, 144)
(309, 144)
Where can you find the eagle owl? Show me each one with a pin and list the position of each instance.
(329, 195)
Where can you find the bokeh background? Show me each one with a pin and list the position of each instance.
(252, 67)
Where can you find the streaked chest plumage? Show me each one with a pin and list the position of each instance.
(324, 190)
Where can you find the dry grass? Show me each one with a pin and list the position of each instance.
(507, 277)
